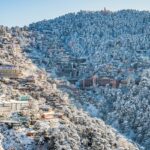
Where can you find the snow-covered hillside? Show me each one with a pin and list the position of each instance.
(65, 128)
(115, 45)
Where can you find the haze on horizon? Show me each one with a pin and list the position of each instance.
(24, 12)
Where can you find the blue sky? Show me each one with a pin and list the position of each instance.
(23, 12)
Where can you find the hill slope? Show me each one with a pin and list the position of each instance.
(114, 45)
(74, 130)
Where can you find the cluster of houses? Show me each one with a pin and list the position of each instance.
(13, 76)
(71, 68)
(8, 107)
(98, 81)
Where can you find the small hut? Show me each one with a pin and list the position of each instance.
(9, 71)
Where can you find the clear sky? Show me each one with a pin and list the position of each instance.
(23, 12)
